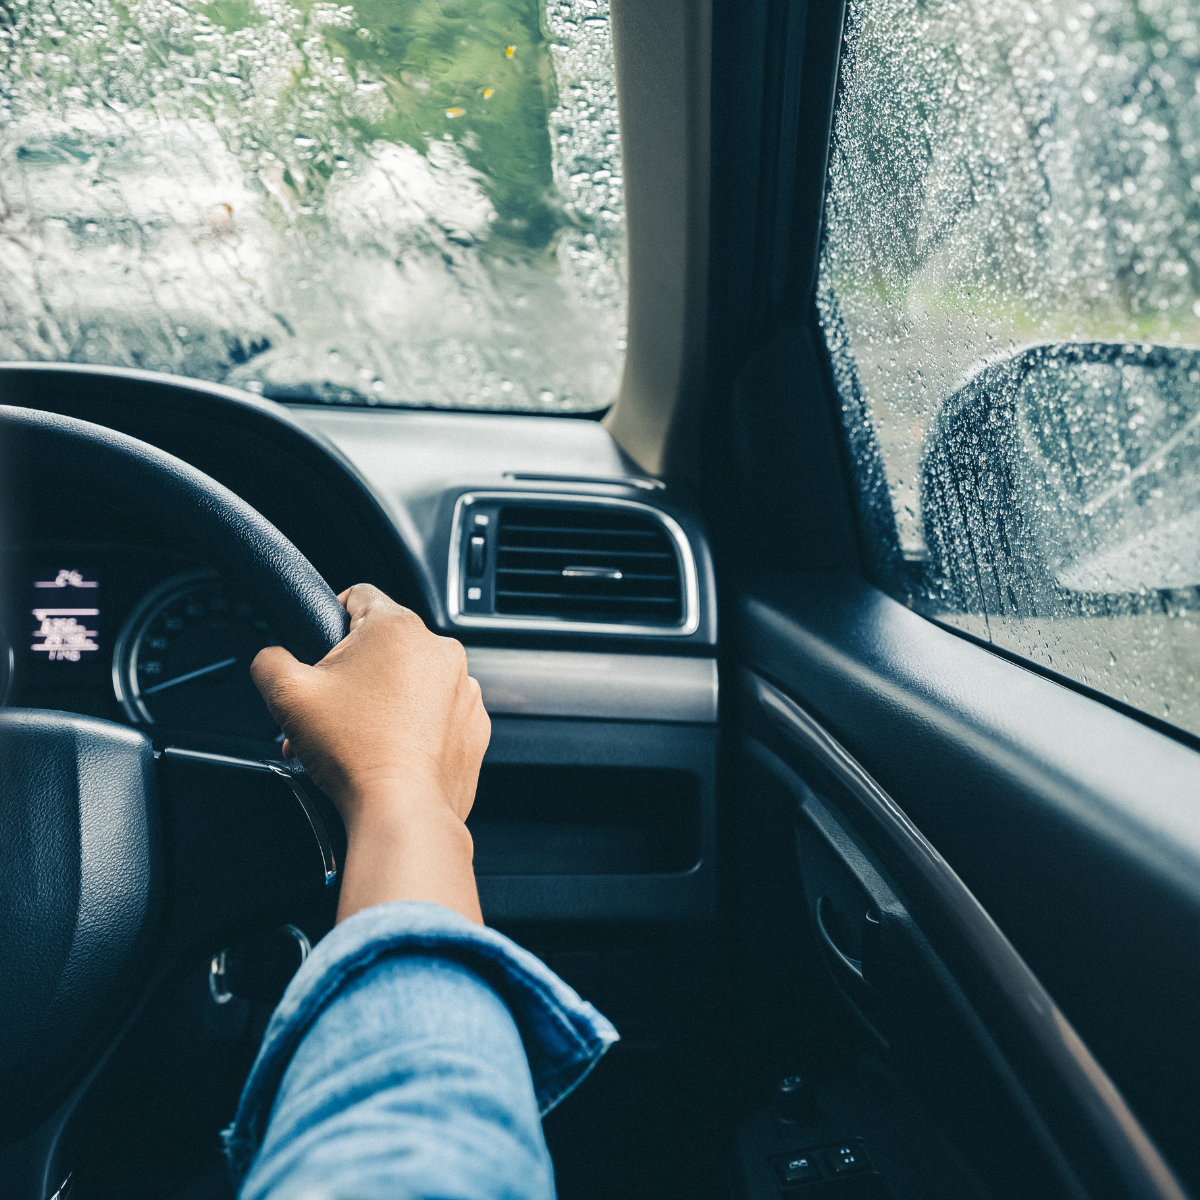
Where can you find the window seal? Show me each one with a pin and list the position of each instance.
(1191, 740)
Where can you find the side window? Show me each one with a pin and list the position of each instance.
(379, 202)
(1010, 293)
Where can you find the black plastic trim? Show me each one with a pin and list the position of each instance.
(669, 896)
(907, 697)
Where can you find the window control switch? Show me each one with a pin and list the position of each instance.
(847, 1159)
(800, 1168)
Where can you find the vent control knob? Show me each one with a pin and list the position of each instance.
(476, 555)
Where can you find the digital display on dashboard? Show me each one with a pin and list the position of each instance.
(66, 616)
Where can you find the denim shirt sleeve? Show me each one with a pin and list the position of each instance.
(412, 1055)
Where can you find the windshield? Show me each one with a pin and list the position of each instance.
(391, 202)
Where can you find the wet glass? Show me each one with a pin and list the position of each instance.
(390, 202)
(1008, 174)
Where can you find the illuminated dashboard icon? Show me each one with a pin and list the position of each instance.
(68, 627)
(65, 579)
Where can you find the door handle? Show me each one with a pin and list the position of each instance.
(853, 965)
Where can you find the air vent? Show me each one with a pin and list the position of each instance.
(586, 563)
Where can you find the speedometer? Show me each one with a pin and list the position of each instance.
(183, 659)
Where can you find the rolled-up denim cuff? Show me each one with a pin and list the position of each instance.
(563, 1035)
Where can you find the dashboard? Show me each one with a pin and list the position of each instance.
(582, 590)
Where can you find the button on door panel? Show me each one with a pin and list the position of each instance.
(847, 1159)
(827, 1165)
(802, 1168)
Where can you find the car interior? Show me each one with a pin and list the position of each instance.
(891, 889)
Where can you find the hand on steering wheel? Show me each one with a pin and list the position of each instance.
(392, 728)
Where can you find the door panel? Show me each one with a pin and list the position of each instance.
(1077, 828)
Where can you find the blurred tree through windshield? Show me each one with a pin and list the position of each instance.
(394, 201)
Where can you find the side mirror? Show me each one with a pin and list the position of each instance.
(1062, 473)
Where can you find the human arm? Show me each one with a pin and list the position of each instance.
(410, 1057)
(414, 1050)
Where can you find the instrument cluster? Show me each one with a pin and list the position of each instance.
(129, 633)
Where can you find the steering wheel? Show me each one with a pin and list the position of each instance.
(120, 862)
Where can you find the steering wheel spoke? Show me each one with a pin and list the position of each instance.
(247, 842)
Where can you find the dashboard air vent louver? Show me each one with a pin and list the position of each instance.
(586, 564)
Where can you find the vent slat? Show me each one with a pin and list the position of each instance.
(597, 599)
(563, 550)
(672, 579)
(559, 530)
(535, 543)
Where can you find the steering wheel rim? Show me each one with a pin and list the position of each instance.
(217, 526)
(121, 811)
